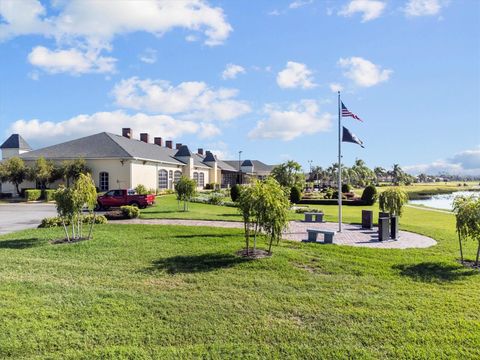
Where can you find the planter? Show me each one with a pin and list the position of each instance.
(367, 219)
(383, 229)
(394, 226)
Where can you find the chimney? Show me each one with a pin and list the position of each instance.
(200, 151)
(158, 141)
(127, 132)
(178, 145)
(144, 137)
(169, 144)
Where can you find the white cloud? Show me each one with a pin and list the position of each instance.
(93, 25)
(464, 163)
(191, 100)
(232, 70)
(274, 12)
(423, 7)
(220, 150)
(295, 75)
(47, 132)
(302, 118)
(363, 72)
(149, 56)
(335, 87)
(370, 9)
(299, 3)
(71, 61)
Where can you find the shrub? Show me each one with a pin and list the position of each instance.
(369, 195)
(215, 198)
(141, 189)
(235, 192)
(304, 210)
(211, 186)
(130, 212)
(33, 194)
(295, 195)
(48, 194)
(57, 221)
(346, 188)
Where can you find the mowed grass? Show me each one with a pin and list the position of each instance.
(142, 292)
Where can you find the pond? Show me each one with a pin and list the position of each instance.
(443, 201)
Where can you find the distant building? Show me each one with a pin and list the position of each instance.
(120, 161)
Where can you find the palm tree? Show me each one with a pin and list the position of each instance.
(380, 173)
(397, 174)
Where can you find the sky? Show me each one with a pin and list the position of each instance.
(259, 77)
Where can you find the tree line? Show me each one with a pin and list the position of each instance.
(43, 172)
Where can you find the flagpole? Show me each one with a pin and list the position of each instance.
(339, 164)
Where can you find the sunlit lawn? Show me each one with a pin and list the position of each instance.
(174, 292)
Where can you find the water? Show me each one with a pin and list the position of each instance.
(443, 201)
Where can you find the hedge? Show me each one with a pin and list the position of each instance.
(33, 194)
(331, 202)
(57, 221)
(48, 194)
(130, 212)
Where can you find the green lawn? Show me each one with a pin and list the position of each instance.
(180, 292)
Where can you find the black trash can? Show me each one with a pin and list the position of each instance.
(383, 229)
(367, 219)
(394, 226)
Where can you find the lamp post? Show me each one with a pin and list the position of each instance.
(310, 174)
(239, 167)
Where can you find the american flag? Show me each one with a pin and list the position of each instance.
(346, 113)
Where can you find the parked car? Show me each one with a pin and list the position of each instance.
(117, 198)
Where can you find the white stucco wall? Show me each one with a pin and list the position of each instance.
(118, 174)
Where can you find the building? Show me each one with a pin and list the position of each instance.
(120, 161)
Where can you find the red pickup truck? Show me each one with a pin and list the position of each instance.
(117, 198)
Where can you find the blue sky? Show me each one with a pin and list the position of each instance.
(255, 76)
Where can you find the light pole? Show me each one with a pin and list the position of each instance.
(239, 167)
(310, 174)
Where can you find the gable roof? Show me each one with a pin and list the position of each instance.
(104, 146)
(183, 151)
(15, 141)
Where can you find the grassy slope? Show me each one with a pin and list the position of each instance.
(174, 292)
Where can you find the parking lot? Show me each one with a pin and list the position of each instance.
(14, 217)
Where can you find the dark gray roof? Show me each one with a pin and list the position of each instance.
(15, 141)
(247, 163)
(105, 145)
(183, 151)
(209, 157)
(224, 166)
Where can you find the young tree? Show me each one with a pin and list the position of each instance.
(14, 171)
(185, 189)
(70, 202)
(264, 206)
(71, 169)
(41, 172)
(467, 213)
(289, 174)
(392, 200)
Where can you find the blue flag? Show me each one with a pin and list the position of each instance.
(351, 138)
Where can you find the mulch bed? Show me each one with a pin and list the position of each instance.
(470, 264)
(258, 254)
(115, 215)
(65, 241)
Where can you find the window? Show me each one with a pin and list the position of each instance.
(103, 181)
(170, 174)
(201, 179)
(162, 179)
(176, 176)
(195, 177)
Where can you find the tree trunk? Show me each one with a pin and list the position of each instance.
(461, 249)
(270, 245)
(66, 230)
(247, 235)
(255, 237)
(17, 188)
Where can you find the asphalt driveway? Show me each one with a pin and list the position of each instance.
(14, 217)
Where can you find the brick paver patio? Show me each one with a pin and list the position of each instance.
(352, 235)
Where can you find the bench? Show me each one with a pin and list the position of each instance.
(327, 235)
(313, 217)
